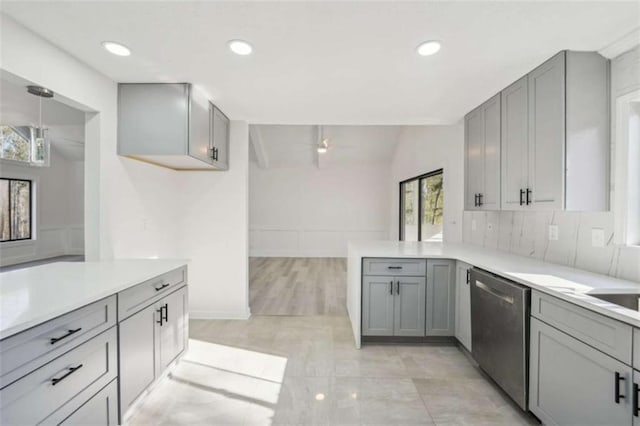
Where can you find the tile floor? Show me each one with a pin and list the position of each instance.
(305, 370)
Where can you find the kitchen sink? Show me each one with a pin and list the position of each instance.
(626, 300)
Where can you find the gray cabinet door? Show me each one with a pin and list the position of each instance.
(377, 306)
(573, 384)
(199, 127)
(409, 306)
(514, 149)
(153, 118)
(474, 156)
(174, 326)
(440, 297)
(100, 410)
(547, 133)
(138, 346)
(463, 305)
(491, 154)
(220, 137)
(636, 380)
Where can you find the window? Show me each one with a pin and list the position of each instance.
(421, 207)
(14, 143)
(627, 170)
(15, 209)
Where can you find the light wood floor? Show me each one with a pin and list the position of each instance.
(297, 286)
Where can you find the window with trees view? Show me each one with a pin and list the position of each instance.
(14, 143)
(421, 207)
(15, 209)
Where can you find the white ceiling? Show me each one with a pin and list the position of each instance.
(65, 124)
(342, 62)
(296, 145)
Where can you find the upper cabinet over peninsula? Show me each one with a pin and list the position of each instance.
(554, 140)
(171, 125)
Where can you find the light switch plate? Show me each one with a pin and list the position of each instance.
(553, 233)
(597, 237)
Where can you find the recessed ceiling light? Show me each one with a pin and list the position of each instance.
(240, 47)
(428, 48)
(116, 48)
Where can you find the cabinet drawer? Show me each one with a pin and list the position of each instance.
(78, 374)
(100, 410)
(135, 298)
(26, 351)
(395, 267)
(605, 334)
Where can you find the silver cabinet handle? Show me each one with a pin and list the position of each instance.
(500, 295)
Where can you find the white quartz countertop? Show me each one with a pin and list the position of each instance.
(31, 296)
(570, 284)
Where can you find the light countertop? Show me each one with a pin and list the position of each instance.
(31, 296)
(567, 283)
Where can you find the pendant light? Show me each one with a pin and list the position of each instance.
(40, 145)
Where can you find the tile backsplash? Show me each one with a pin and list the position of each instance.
(527, 234)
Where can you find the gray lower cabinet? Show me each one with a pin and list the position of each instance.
(150, 341)
(572, 383)
(393, 306)
(636, 389)
(409, 307)
(138, 346)
(463, 305)
(440, 306)
(100, 410)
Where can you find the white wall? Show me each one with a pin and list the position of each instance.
(58, 210)
(133, 209)
(311, 212)
(422, 149)
(214, 223)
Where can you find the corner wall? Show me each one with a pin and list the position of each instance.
(423, 149)
(136, 210)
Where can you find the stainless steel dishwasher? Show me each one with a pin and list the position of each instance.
(500, 332)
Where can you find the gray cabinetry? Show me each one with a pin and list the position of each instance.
(150, 340)
(393, 306)
(463, 305)
(573, 383)
(138, 346)
(547, 154)
(172, 125)
(546, 133)
(409, 306)
(440, 297)
(393, 297)
(377, 306)
(100, 410)
(482, 153)
(515, 136)
(635, 389)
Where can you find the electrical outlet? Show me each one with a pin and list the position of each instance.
(474, 225)
(597, 237)
(554, 233)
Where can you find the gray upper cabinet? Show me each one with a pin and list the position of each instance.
(546, 134)
(515, 136)
(482, 156)
(172, 125)
(440, 297)
(572, 383)
(555, 141)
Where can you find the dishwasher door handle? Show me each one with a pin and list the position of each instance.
(492, 291)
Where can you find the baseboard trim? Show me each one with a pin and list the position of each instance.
(220, 315)
(440, 340)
